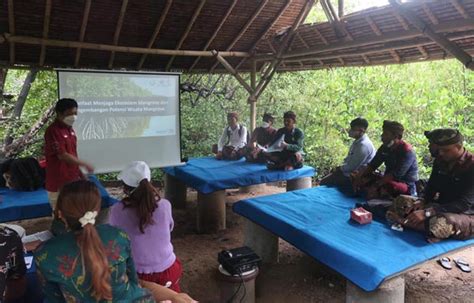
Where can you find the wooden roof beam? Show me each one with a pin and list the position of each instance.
(430, 14)
(224, 19)
(85, 18)
(47, 18)
(186, 32)
(120, 49)
(423, 51)
(11, 29)
(401, 20)
(441, 40)
(156, 31)
(460, 8)
(118, 29)
(244, 29)
(373, 25)
(231, 70)
(461, 25)
(325, 41)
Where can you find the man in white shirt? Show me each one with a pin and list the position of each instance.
(231, 145)
(360, 154)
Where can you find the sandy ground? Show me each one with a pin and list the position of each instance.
(297, 277)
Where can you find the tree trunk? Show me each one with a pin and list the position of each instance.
(20, 102)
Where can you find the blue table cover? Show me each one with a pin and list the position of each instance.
(317, 221)
(16, 205)
(208, 174)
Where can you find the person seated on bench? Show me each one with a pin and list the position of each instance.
(231, 145)
(290, 140)
(22, 174)
(148, 221)
(449, 195)
(263, 136)
(362, 151)
(401, 168)
(12, 266)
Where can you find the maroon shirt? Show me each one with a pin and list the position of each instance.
(60, 138)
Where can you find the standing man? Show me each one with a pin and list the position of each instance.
(362, 151)
(231, 145)
(290, 140)
(62, 163)
(401, 168)
(263, 136)
(450, 190)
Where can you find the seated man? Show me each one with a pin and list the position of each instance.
(231, 145)
(401, 168)
(24, 174)
(290, 140)
(12, 266)
(362, 151)
(450, 191)
(263, 136)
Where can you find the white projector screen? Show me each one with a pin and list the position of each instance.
(124, 117)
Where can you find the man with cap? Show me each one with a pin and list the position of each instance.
(362, 151)
(290, 144)
(262, 136)
(450, 191)
(231, 145)
(401, 168)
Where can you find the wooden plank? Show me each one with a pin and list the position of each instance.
(401, 20)
(11, 29)
(460, 8)
(85, 18)
(430, 14)
(118, 29)
(47, 18)
(423, 51)
(373, 25)
(156, 31)
(224, 19)
(186, 32)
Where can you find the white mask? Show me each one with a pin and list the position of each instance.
(265, 124)
(69, 120)
(390, 144)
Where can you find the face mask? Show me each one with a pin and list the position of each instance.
(69, 120)
(390, 144)
(265, 124)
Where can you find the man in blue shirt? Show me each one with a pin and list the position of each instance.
(362, 151)
(401, 168)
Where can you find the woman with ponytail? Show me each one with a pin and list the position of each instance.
(89, 263)
(148, 221)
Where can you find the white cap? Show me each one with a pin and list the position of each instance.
(134, 173)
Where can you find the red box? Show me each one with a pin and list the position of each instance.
(361, 215)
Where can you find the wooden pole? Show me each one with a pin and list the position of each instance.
(186, 32)
(154, 36)
(82, 33)
(122, 49)
(11, 28)
(229, 11)
(47, 16)
(340, 7)
(449, 46)
(118, 29)
(231, 70)
(253, 103)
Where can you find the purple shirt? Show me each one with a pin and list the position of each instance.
(152, 251)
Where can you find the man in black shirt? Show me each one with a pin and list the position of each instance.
(449, 192)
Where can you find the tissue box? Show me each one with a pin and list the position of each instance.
(361, 215)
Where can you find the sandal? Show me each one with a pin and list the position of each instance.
(445, 262)
(462, 264)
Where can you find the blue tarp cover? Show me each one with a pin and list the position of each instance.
(16, 205)
(208, 175)
(317, 221)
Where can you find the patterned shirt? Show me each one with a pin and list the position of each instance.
(63, 277)
(12, 262)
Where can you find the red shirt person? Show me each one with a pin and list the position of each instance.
(62, 162)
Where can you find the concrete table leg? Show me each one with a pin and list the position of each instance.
(211, 212)
(175, 191)
(390, 291)
(298, 183)
(253, 188)
(263, 242)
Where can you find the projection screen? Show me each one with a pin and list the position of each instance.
(124, 116)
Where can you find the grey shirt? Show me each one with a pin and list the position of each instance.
(361, 153)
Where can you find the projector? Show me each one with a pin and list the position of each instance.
(238, 260)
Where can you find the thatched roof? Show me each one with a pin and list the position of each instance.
(144, 35)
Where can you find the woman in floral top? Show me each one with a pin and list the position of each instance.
(89, 263)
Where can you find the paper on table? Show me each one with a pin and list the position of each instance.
(41, 236)
(275, 147)
(28, 261)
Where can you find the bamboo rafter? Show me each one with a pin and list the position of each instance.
(82, 33)
(47, 17)
(118, 29)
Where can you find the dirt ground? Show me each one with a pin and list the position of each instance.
(297, 277)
